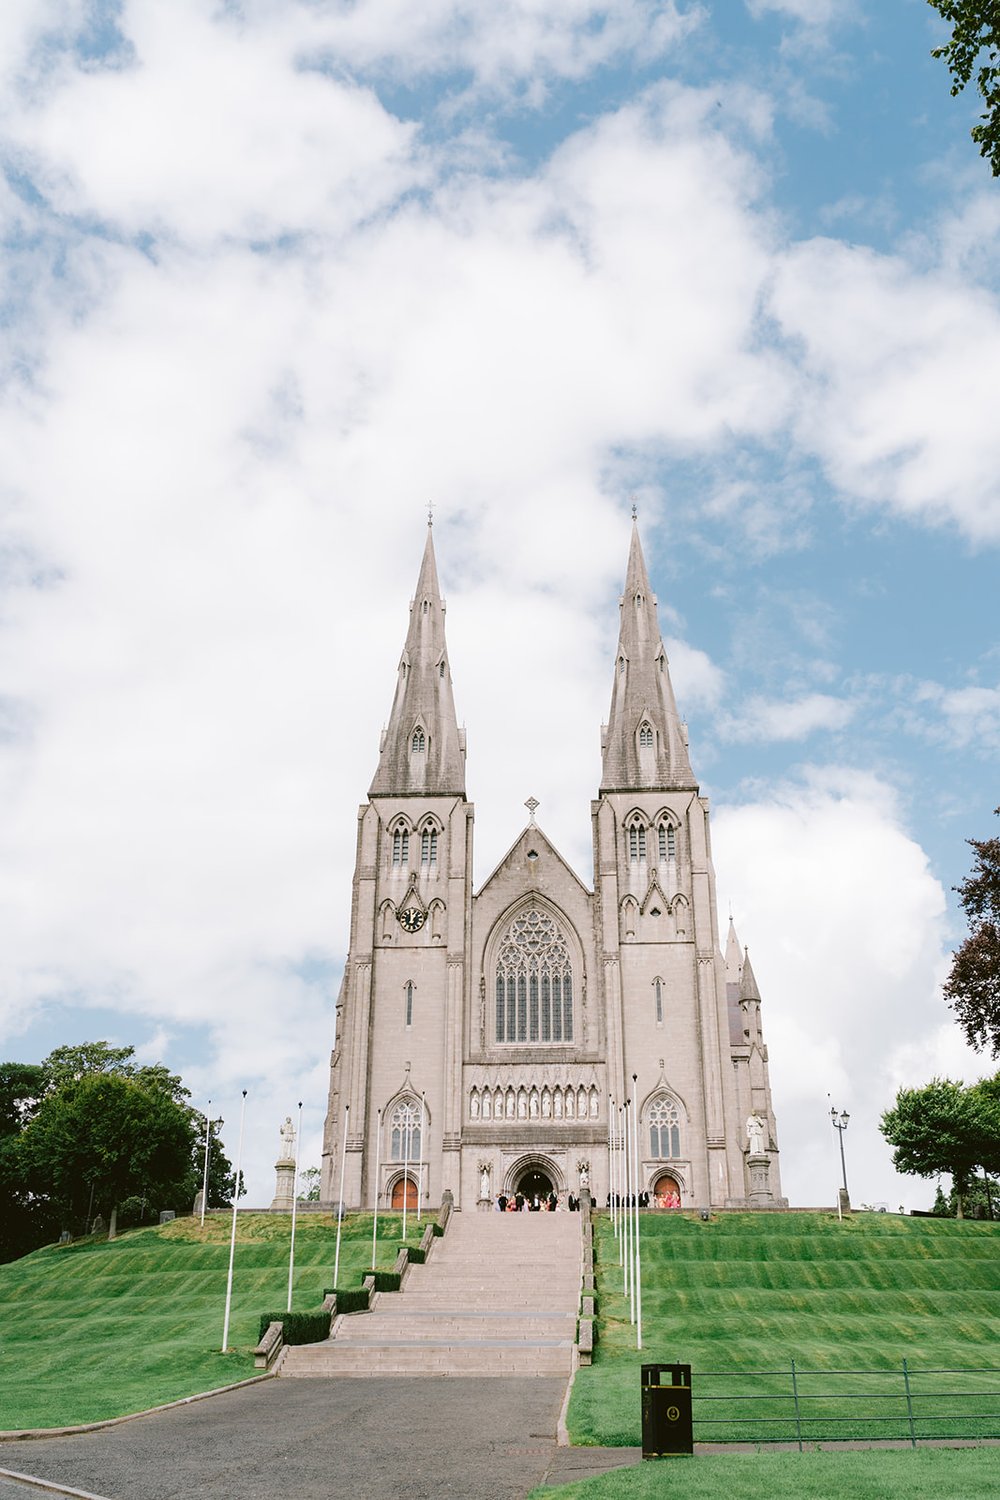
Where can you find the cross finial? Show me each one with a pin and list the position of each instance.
(430, 513)
(532, 804)
(635, 509)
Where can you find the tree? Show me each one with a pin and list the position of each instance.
(975, 48)
(310, 1185)
(973, 986)
(26, 1219)
(108, 1137)
(942, 1127)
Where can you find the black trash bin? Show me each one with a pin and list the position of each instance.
(666, 1411)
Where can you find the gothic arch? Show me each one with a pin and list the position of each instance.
(529, 1007)
(533, 1161)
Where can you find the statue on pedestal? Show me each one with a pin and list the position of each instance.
(755, 1134)
(286, 1151)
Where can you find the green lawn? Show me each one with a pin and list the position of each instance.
(95, 1330)
(752, 1292)
(928, 1474)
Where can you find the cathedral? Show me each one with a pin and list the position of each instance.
(486, 1041)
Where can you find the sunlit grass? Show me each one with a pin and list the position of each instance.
(94, 1330)
(752, 1292)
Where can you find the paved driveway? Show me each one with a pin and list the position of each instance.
(423, 1439)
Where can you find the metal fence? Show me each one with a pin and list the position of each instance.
(794, 1404)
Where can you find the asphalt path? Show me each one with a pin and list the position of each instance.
(422, 1439)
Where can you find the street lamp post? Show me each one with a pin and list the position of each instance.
(839, 1121)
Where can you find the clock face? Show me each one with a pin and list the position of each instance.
(411, 918)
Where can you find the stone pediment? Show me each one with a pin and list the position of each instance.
(533, 854)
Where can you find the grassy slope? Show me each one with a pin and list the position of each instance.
(753, 1292)
(929, 1474)
(94, 1330)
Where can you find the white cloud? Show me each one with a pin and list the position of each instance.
(845, 924)
(762, 719)
(899, 368)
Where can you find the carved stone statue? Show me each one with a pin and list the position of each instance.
(484, 1183)
(755, 1134)
(584, 1174)
(287, 1148)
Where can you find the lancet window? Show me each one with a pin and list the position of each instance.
(664, 1129)
(428, 846)
(635, 836)
(418, 743)
(667, 837)
(534, 981)
(645, 737)
(400, 847)
(404, 1143)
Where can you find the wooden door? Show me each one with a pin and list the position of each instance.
(404, 1185)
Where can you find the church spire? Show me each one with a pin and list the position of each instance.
(644, 743)
(423, 750)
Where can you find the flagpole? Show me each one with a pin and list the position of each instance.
(204, 1178)
(628, 1216)
(378, 1144)
(232, 1237)
(420, 1163)
(406, 1165)
(611, 1163)
(638, 1249)
(340, 1200)
(295, 1204)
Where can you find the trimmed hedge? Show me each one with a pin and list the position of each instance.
(349, 1298)
(298, 1327)
(385, 1281)
(438, 1230)
(415, 1255)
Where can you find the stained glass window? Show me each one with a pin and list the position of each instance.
(664, 1129)
(534, 981)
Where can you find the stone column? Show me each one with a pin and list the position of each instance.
(284, 1185)
(760, 1181)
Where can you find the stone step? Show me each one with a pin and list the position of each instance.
(417, 1359)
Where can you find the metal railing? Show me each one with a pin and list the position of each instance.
(891, 1403)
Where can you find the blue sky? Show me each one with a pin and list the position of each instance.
(274, 276)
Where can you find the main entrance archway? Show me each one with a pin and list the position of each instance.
(533, 1174)
(534, 1184)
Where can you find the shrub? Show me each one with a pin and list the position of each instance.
(385, 1281)
(438, 1230)
(298, 1327)
(350, 1299)
(415, 1256)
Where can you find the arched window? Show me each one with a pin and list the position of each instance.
(428, 846)
(664, 1129)
(400, 847)
(667, 836)
(658, 997)
(534, 981)
(645, 737)
(636, 834)
(418, 744)
(408, 997)
(404, 1144)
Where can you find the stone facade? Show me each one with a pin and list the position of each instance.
(493, 1031)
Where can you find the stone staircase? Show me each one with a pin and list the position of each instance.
(498, 1296)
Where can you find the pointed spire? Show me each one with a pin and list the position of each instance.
(422, 748)
(644, 744)
(748, 984)
(734, 955)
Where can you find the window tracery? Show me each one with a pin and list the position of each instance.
(664, 1129)
(534, 981)
(645, 736)
(404, 1143)
(400, 846)
(419, 741)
